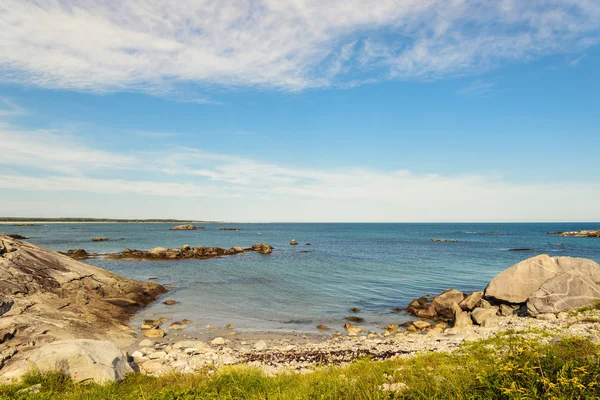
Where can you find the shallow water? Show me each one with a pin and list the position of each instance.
(374, 267)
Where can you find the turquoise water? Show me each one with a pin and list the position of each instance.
(371, 266)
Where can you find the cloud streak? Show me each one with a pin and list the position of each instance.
(221, 186)
(163, 46)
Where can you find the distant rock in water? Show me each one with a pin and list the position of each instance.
(187, 227)
(185, 252)
(293, 242)
(443, 240)
(586, 233)
(521, 249)
(17, 236)
(77, 254)
(229, 229)
(100, 239)
(48, 297)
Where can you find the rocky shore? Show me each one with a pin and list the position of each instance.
(57, 313)
(46, 298)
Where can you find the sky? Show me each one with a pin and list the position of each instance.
(301, 110)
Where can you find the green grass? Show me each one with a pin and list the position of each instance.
(501, 368)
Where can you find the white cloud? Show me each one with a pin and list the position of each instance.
(161, 46)
(192, 183)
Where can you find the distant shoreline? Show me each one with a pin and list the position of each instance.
(18, 220)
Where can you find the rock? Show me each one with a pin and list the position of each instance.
(575, 289)
(519, 282)
(585, 233)
(33, 389)
(146, 343)
(170, 302)
(137, 354)
(262, 248)
(461, 318)
(186, 227)
(355, 319)
(81, 359)
(50, 297)
(323, 327)
(307, 244)
(427, 311)
(506, 310)
(470, 302)
(17, 236)
(100, 239)
(293, 242)
(210, 326)
(152, 366)
(393, 387)
(420, 325)
(228, 229)
(260, 345)
(150, 324)
(443, 303)
(521, 249)
(77, 254)
(158, 355)
(229, 326)
(154, 333)
(156, 252)
(483, 303)
(186, 247)
(235, 250)
(434, 240)
(355, 309)
(218, 341)
(5, 306)
(177, 326)
(481, 314)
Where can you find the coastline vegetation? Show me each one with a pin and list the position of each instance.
(510, 366)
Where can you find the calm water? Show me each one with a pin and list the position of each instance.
(371, 266)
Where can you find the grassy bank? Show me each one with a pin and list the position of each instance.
(504, 367)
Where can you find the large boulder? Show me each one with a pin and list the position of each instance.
(82, 359)
(443, 303)
(517, 283)
(564, 292)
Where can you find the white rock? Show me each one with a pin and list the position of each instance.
(260, 345)
(146, 343)
(138, 354)
(218, 341)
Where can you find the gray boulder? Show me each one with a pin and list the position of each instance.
(443, 303)
(82, 359)
(470, 302)
(519, 282)
(461, 318)
(564, 292)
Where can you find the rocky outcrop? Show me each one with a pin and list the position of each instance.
(53, 297)
(81, 359)
(77, 254)
(100, 239)
(548, 284)
(444, 303)
(17, 236)
(293, 242)
(229, 229)
(585, 233)
(185, 252)
(186, 227)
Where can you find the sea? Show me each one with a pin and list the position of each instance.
(373, 267)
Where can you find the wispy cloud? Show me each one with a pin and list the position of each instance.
(477, 89)
(163, 46)
(9, 109)
(230, 187)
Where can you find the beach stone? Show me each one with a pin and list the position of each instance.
(506, 310)
(546, 317)
(154, 333)
(150, 367)
(218, 341)
(169, 302)
(420, 325)
(211, 327)
(157, 355)
(229, 326)
(443, 303)
(146, 343)
(428, 311)
(149, 324)
(461, 318)
(481, 314)
(137, 354)
(260, 345)
(81, 359)
(177, 326)
(483, 303)
(323, 327)
(470, 302)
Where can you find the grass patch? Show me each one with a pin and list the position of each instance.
(506, 367)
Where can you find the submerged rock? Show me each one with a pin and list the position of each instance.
(100, 239)
(186, 252)
(17, 236)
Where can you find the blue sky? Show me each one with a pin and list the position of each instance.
(295, 111)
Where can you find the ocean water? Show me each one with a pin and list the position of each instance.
(375, 267)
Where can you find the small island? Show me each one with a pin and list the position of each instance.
(585, 233)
